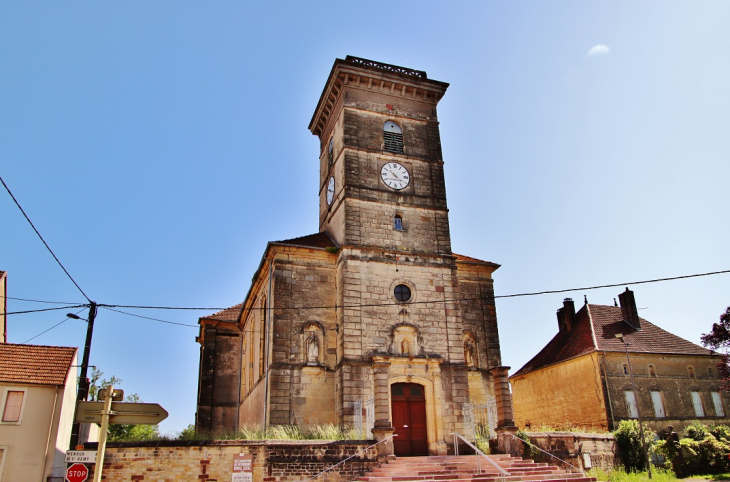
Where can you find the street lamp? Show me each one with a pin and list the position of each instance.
(83, 391)
(620, 336)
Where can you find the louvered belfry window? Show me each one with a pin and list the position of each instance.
(392, 137)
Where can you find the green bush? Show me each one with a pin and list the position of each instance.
(629, 444)
(703, 450)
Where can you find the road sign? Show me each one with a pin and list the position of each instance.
(121, 412)
(83, 456)
(77, 473)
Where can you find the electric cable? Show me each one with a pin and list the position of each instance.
(49, 329)
(38, 301)
(45, 309)
(494, 297)
(148, 318)
(44, 241)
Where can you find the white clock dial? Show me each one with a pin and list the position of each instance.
(394, 175)
(330, 190)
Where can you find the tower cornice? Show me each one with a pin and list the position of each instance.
(373, 76)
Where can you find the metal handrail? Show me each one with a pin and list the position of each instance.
(478, 453)
(548, 453)
(385, 440)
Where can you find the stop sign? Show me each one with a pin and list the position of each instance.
(77, 473)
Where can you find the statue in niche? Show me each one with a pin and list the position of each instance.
(312, 349)
(405, 347)
(470, 353)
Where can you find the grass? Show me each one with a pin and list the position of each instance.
(281, 432)
(725, 476)
(619, 475)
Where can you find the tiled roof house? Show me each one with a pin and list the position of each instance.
(37, 400)
(582, 376)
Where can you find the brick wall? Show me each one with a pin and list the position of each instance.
(168, 461)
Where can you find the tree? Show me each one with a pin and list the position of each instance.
(719, 338)
(121, 432)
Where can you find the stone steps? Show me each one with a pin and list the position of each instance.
(452, 468)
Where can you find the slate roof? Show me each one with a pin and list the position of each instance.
(595, 329)
(35, 364)
(318, 240)
(231, 314)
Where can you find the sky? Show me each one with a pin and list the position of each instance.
(158, 146)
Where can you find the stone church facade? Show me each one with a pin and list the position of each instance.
(375, 305)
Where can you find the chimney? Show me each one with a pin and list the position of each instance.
(566, 315)
(628, 309)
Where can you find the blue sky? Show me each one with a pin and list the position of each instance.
(158, 146)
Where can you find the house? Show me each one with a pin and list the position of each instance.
(582, 376)
(37, 400)
(372, 317)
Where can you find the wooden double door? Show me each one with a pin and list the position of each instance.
(408, 407)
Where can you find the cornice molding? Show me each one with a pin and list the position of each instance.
(369, 75)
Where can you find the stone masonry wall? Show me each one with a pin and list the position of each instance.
(280, 461)
(569, 447)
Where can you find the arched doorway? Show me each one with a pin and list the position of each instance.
(408, 407)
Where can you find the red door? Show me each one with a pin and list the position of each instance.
(408, 404)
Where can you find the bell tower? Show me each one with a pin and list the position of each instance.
(381, 180)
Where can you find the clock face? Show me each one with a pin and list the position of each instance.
(330, 190)
(394, 175)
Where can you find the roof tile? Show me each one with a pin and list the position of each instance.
(35, 364)
(606, 322)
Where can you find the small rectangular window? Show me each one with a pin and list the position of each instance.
(13, 404)
(631, 407)
(717, 402)
(398, 223)
(652, 371)
(691, 372)
(656, 401)
(626, 369)
(697, 404)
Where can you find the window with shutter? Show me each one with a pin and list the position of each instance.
(631, 407)
(13, 404)
(717, 402)
(697, 404)
(656, 400)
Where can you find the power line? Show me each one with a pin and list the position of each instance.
(38, 301)
(44, 241)
(148, 318)
(49, 329)
(45, 309)
(370, 305)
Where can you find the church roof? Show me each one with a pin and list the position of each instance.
(231, 314)
(318, 240)
(595, 329)
(35, 364)
(469, 259)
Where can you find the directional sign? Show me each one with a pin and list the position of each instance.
(77, 473)
(83, 456)
(121, 412)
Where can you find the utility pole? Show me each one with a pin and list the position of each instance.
(620, 336)
(83, 392)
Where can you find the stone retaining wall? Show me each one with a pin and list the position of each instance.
(273, 461)
(568, 446)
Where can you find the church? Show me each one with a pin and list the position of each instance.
(372, 320)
